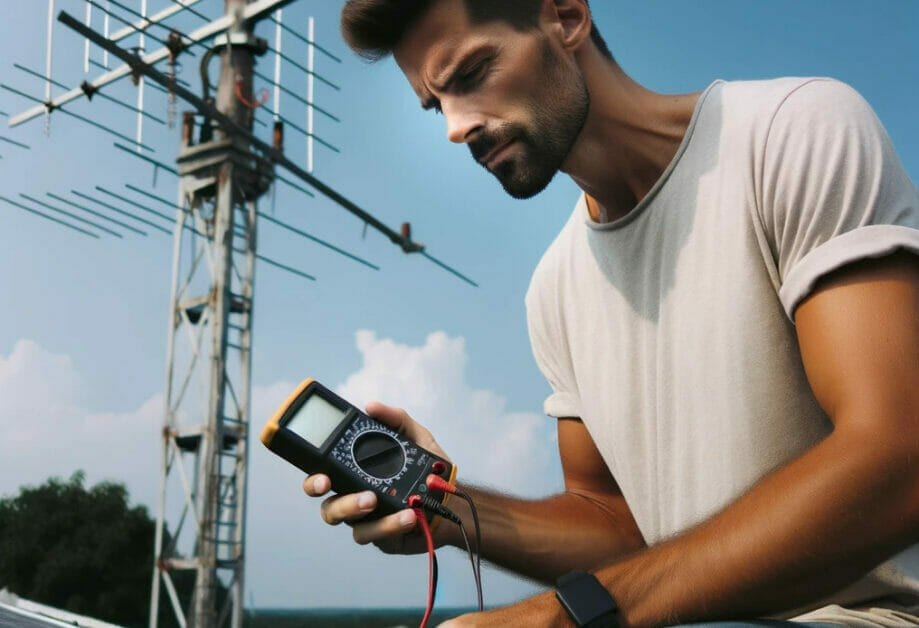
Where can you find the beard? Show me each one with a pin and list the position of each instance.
(542, 147)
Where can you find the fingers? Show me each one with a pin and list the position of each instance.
(399, 420)
(391, 534)
(396, 418)
(317, 485)
(339, 508)
(386, 530)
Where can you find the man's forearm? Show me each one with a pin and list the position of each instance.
(545, 538)
(805, 531)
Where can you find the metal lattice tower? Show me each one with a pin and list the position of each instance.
(220, 180)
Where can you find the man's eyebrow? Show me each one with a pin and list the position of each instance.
(450, 74)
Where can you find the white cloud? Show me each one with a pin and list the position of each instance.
(45, 430)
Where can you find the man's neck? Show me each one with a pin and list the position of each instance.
(630, 137)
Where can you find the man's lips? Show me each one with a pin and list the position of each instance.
(494, 152)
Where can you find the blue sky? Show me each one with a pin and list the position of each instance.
(83, 322)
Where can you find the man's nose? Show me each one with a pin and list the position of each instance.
(462, 125)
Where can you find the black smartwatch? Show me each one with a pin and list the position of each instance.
(586, 601)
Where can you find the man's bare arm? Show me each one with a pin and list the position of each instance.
(586, 527)
(821, 521)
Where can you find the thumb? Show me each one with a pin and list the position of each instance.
(399, 420)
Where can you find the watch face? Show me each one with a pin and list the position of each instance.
(586, 601)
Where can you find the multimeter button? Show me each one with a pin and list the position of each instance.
(422, 488)
(438, 467)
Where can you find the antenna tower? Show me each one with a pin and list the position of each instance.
(220, 183)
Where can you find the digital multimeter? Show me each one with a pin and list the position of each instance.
(319, 432)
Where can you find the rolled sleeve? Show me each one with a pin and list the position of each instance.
(835, 191)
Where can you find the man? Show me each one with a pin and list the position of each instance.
(729, 323)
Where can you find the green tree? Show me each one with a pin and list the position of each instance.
(87, 551)
(81, 549)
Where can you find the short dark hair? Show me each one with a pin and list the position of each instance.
(373, 28)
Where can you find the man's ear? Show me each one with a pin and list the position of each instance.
(568, 20)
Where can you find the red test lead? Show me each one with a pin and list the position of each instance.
(437, 483)
(414, 502)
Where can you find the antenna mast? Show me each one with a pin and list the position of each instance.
(211, 304)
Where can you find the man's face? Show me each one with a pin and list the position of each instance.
(516, 100)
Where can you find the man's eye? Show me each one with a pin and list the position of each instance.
(475, 74)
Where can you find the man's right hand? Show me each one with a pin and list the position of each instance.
(395, 533)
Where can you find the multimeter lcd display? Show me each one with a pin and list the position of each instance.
(315, 421)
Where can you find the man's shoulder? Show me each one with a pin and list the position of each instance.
(774, 89)
(763, 99)
(742, 116)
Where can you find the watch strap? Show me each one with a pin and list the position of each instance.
(586, 601)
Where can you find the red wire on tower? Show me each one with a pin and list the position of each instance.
(263, 98)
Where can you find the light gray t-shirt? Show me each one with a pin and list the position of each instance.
(669, 331)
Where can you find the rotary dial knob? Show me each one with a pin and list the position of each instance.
(378, 454)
